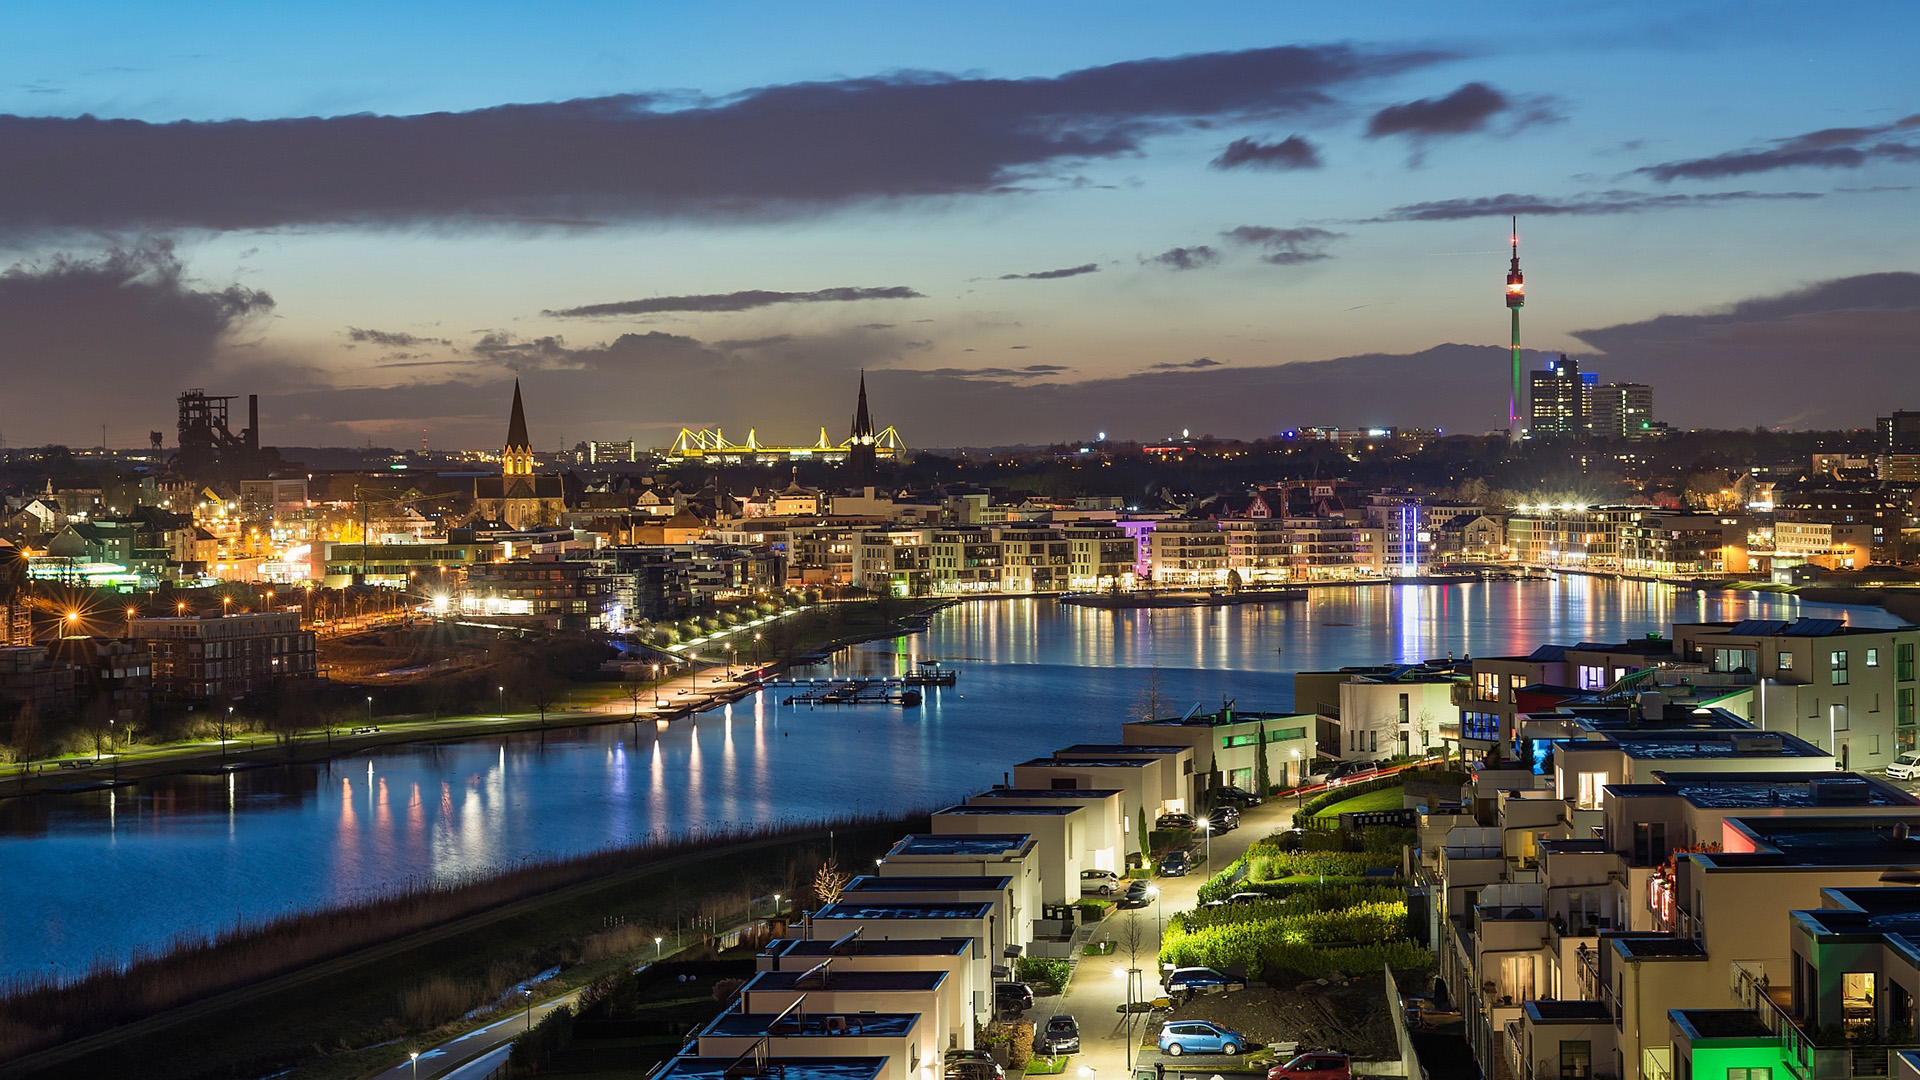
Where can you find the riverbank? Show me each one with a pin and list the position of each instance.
(671, 699)
(327, 990)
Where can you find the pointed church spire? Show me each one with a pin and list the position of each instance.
(517, 424)
(862, 422)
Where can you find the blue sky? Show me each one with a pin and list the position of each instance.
(387, 279)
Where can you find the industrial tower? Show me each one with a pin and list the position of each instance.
(1516, 299)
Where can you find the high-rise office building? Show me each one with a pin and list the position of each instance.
(1622, 411)
(1560, 401)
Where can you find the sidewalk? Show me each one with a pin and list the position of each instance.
(1099, 985)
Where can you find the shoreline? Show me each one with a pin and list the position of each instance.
(311, 749)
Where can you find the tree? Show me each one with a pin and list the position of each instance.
(636, 690)
(828, 881)
(1261, 785)
(26, 736)
(1152, 701)
(1146, 845)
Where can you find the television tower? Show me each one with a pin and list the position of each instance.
(1516, 299)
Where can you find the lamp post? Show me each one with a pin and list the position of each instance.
(180, 608)
(503, 701)
(369, 710)
(656, 948)
(414, 1057)
(1206, 826)
(656, 686)
(1127, 974)
(1160, 927)
(731, 649)
(756, 648)
(527, 995)
(776, 905)
(129, 622)
(225, 729)
(226, 605)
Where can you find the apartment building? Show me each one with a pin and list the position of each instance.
(225, 658)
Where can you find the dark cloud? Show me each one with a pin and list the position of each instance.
(1593, 202)
(1185, 258)
(772, 151)
(1286, 247)
(115, 335)
(1828, 148)
(735, 301)
(1292, 152)
(426, 363)
(392, 339)
(1196, 363)
(522, 354)
(1467, 109)
(1045, 369)
(1049, 275)
(883, 325)
(1019, 346)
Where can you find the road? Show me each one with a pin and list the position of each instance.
(1099, 985)
(479, 1052)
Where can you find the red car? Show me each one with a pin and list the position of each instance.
(1314, 1067)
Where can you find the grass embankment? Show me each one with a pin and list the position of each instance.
(1386, 798)
(1320, 916)
(318, 990)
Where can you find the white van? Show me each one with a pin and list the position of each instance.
(1905, 767)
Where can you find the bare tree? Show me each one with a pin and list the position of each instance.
(828, 882)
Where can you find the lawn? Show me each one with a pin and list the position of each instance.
(1389, 798)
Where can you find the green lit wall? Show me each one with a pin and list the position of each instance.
(1713, 1057)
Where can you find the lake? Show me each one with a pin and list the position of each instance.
(102, 874)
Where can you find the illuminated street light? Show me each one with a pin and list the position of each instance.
(414, 1056)
(656, 947)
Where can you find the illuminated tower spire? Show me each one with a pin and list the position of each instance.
(1516, 298)
(516, 458)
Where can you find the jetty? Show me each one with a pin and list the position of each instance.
(1144, 599)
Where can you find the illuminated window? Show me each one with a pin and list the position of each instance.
(1786, 661)
(1873, 657)
(1592, 791)
(1839, 660)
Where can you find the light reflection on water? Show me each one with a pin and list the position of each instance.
(105, 873)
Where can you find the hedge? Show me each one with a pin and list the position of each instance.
(1265, 941)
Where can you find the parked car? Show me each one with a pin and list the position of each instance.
(1223, 819)
(1174, 821)
(1179, 1037)
(1061, 1035)
(1137, 890)
(972, 1065)
(1291, 839)
(1198, 980)
(1904, 767)
(1012, 997)
(1102, 882)
(1234, 796)
(1247, 898)
(1316, 1066)
(1175, 863)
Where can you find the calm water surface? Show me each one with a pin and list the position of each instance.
(103, 874)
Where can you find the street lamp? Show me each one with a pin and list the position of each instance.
(503, 701)
(180, 608)
(224, 730)
(527, 995)
(414, 1057)
(369, 710)
(1153, 893)
(656, 686)
(730, 653)
(656, 947)
(129, 622)
(1206, 826)
(776, 905)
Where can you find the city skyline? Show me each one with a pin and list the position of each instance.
(1026, 225)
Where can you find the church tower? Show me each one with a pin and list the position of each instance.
(516, 459)
(861, 468)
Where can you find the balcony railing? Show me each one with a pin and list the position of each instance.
(1656, 1063)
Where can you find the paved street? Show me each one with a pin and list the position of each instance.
(1099, 983)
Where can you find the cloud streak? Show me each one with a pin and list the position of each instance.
(1196, 257)
(1285, 247)
(391, 339)
(1828, 148)
(1597, 202)
(1292, 152)
(776, 151)
(1053, 275)
(744, 300)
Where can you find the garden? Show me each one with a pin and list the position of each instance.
(1322, 912)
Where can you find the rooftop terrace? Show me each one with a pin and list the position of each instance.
(928, 882)
(971, 846)
(774, 1068)
(734, 1022)
(961, 909)
(1081, 794)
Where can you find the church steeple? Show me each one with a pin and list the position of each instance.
(861, 468)
(862, 421)
(516, 459)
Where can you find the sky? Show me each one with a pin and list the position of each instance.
(1026, 223)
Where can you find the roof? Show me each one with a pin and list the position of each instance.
(956, 909)
(1657, 745)
(1011, 811)
(804, 948)
(1801, 627)
(1721, 1024)
(926, 883)
(1735, 790)
(812, 1025)
(782, 1068)
(1657, 947)
(1079, 794)
(973, 846)
(1100, 749)
(1548, 1012)
(1222, 719)
(1086, 763)
(810, 979)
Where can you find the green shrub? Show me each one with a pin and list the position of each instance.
(1043, 971)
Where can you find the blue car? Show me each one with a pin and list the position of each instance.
(1179, 1037)
(1188, 981)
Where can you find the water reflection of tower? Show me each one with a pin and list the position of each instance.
(1516, 299)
